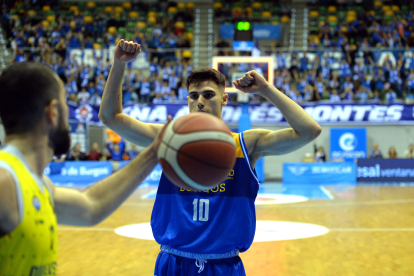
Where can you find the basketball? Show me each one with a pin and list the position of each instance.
(197, 151)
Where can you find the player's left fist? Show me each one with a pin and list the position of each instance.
(251, 82)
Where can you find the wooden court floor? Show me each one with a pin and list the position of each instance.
(371, 232)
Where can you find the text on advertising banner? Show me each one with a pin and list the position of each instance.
(319, 173)
(78, 172)
(385, 170)
(262, 113)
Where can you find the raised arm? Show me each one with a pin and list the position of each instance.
(110, 112)
(100, 200)
(262, 142)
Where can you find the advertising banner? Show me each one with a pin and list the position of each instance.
(263, 113)
(385, 170)
(77, 173)
(259, 31)
(348, 143)
(319, 173)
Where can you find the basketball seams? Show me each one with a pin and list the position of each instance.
(172, 142)
(198, 160)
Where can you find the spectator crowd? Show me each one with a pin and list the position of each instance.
(50, 41)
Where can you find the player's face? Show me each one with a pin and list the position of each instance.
(59, 137)
(206, 97)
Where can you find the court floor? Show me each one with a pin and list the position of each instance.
(362, 229)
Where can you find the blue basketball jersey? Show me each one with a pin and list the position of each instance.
(209, 222)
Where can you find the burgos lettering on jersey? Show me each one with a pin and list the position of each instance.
(219, 188)
(48, 269)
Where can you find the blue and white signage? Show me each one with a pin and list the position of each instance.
(385, 170)
(243, 45)
(263, 113)
(319, 173)
(260, 31)
(78, 172)
(348, 143)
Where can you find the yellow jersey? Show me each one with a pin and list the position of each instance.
(31, 248)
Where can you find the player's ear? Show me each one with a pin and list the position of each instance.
(52, 112)
(224, 99)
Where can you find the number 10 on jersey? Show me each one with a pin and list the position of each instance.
(201, 209)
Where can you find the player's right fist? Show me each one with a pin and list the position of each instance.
(126, 51)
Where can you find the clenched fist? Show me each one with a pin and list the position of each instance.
(252, 82)
(126, 51)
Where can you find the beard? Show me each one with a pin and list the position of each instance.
(59, 137)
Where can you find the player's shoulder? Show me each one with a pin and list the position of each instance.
(6, 180)
(252, 136)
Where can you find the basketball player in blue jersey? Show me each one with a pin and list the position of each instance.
(35, 118)
(202, 233)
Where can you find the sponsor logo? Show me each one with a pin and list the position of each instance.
(85, 171)
(376, 171)
(297, 170)
(84, 113)
(348, 141)
(331, 169)
(36, 203)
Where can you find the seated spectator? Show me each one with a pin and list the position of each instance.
(72, 86)
(334, 97)
(182, 92)
(165, 89)
(95, 154)
(83, 96)
(126, 95)
(133, 152)
(410, 82)
(72, 99)
(390, 96)
(409, 154)
(392, 154)
(172, 97)
(363, 94)
(376, 97)
(95, 100)
(145, 91)
(347, 95)
(375, 153)
(76, 154)
(91, 88)
(296, 96)
(319, 153)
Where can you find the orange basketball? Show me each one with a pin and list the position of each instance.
(197, 151)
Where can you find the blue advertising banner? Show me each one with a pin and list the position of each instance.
(259, 31)
(227, 31)
(77, 172)
(385, 170)
(348, 143)
(266, 31)
(243, 45)
(263, 113)
(319, 173)
(152, 179)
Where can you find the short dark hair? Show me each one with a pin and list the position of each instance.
(206, 74)
(26, 88)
